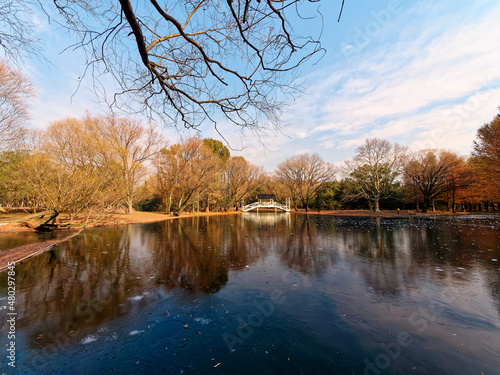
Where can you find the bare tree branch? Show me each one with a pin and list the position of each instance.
(15, 92)
(195, 61)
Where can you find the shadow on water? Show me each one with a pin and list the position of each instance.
(343, 287)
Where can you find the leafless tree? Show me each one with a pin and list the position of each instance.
(15, 92)
(131, 144)
(374, 169)
(241, 178)
(303, 175)
(186, 173)
(67, 169)
(18, 37)
(194, 61)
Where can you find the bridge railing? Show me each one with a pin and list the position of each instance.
(267, 204)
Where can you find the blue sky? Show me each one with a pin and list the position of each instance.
(421, 73)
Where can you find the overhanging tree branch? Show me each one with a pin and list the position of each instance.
(195, 61)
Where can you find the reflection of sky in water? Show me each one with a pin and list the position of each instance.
(167, 295)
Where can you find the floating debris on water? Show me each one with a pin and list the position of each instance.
(137, 332)
(136, 298)
(88, 340)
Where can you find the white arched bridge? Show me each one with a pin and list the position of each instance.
(267, 203)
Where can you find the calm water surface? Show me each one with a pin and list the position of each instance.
(11, 240)
(263, 294)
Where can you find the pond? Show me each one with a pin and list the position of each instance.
(263, 294)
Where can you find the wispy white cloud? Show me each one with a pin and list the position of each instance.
(406, 89)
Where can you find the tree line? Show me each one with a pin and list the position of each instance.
(97, 164)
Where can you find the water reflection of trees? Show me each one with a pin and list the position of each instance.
(102, 274)
(307, 248)
(380, 256)
(105, 273)
(80, 283)
(197, 254)
(397, 254)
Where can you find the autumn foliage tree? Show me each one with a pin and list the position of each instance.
(186, 172)
(68, 171)
(14, 191)
(302, 175)
(131, 145)
(240, 179)
(429, 171)
(486, 159)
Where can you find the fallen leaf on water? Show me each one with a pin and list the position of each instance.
(217, 364)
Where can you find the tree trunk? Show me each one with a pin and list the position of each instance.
(377, 205)
(425, 204)
(44, 225)
(130, 207)
(169, 204)
(416, 199)
(453, 201)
